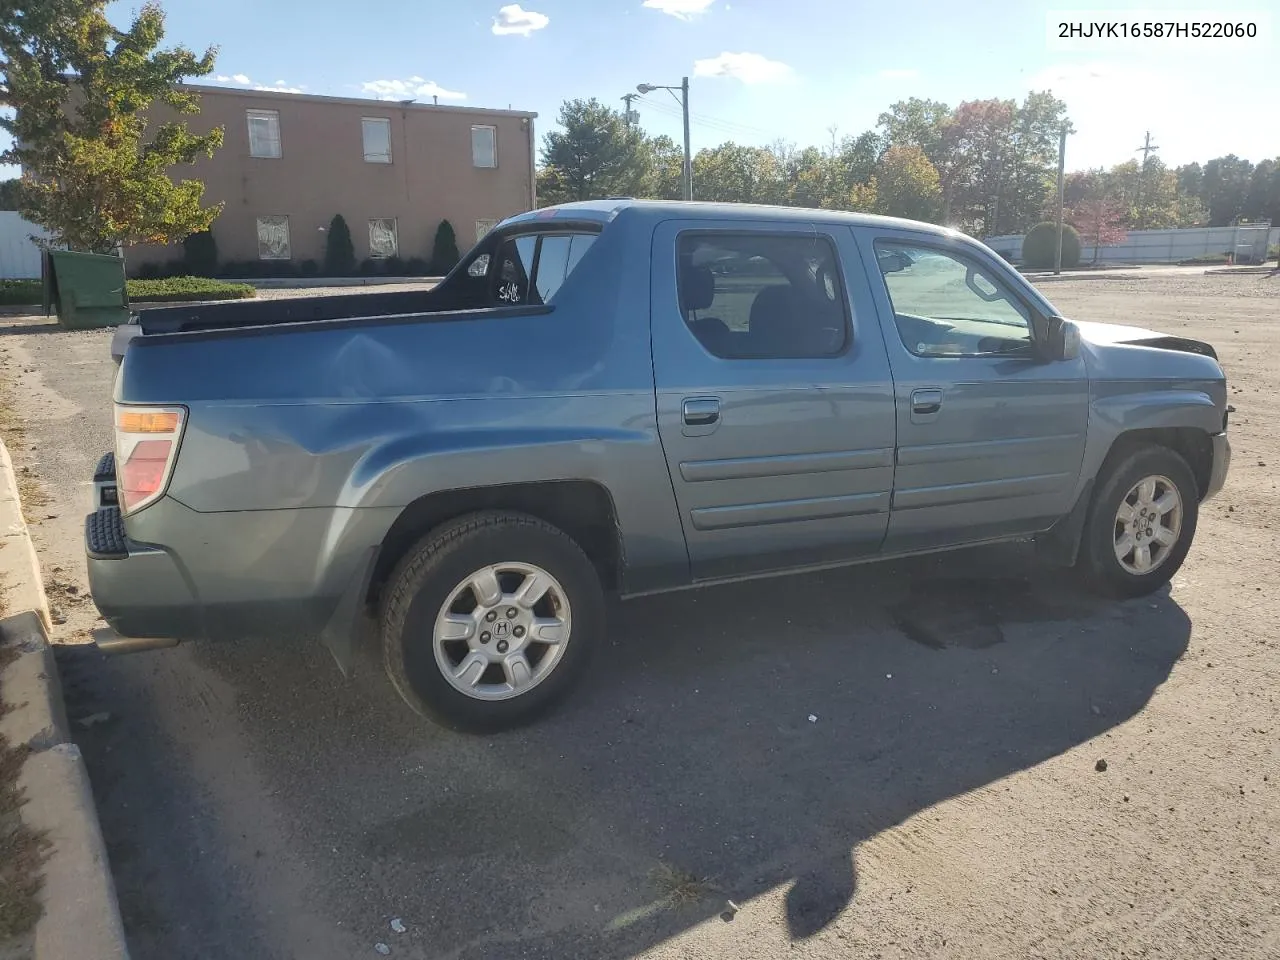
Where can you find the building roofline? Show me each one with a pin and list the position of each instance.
(206, 89)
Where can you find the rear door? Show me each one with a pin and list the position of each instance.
(990, 437)
(774, 399)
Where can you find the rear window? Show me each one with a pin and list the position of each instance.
(531, 268)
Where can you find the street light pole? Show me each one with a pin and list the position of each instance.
(684, 110)
(1062, 165)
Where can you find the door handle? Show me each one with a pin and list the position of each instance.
(700, 411)
(926, 402)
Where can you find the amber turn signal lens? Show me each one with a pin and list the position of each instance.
(158, 421)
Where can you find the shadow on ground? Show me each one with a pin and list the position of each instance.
(688, 771)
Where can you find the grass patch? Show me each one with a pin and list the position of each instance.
(21, 848)
(1206, 258)
(169, 289)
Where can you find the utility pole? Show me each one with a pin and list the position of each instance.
(628, 114)
(1062, 166)
(1146, 150)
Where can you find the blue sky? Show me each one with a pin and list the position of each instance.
(760, 69)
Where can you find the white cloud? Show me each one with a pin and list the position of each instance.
(514, 19)
(747, 67)
(899, 74)
(277, 88)
(222, 78)
(683, 9)
(241, 78)
(415, 88)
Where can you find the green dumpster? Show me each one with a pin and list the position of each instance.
(85, 289)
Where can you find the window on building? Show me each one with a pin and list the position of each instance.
(763, 296)
(377, 139)
(382, 238)
(273, 238)
(264, 133)
(483, 227)
(484, 146)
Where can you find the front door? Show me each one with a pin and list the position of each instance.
(990, 436)
(774, 400)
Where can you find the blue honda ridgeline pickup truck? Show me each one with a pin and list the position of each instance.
(628, 397)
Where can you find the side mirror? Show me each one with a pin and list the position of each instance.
(1063, 340)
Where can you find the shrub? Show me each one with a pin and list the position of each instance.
(369, 267)
(416, 267)
(21, 292)
(149, 271)
(1039, 244)
(309, 268)
(444, 252)
(200, 254)
(175, 268)
(393, 267)
(339, 252)
(186, 288)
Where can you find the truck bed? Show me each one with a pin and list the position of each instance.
(257, 313)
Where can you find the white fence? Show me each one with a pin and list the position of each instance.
(19, 257)
(1152, 246)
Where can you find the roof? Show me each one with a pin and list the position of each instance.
(605, 210)
(246, 93)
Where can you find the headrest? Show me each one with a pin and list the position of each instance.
(697, 288)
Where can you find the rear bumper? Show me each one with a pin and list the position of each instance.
(1221, 463)
(176, 573)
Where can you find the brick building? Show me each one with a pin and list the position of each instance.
(393, 170)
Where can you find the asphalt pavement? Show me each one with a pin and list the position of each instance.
(705, 794)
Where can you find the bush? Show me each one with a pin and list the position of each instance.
(339, 252)
(186, 288)
(444, 252)
(416, 267)
(200, 254)
(21, 292)
(309, 268)
(1039, 244)
(149, 271)
(393, 267)
(369, 267)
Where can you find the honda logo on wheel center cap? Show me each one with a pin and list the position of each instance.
(501, 630)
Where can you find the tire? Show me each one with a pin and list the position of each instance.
(1105, 529)
(442, 578)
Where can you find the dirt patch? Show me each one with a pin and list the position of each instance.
(22, 850)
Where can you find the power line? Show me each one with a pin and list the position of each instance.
(712, 123)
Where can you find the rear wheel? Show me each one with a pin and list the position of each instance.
(1141, 522)
(490, 620)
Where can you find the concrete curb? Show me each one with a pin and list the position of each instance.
(81, 917)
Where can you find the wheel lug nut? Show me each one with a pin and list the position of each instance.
(511, 612)
(518, 631)
(484, 637)
(502, 646)
(491, 616)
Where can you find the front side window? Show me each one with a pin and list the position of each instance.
(382, 238)
(484, 146)
(264, 133)
(273, 238)
(376, 132)
(947, 305)
(532, 268)
(763, 296)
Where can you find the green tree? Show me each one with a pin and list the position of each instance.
(1225, 187)
(1030, 163)
(734, 173)
(1263, 199)
(339, 251)
(80, 90)
(916, 122)
(444, 251)
(665, 169)
(595, 155)
(906, 184)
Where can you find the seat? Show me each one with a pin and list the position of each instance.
(697, 291)
(773, 321)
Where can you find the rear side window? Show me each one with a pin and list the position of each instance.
(763, 296)
(532, 267)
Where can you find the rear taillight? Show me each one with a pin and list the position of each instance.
(146, 446)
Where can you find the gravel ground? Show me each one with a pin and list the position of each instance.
(944, 803)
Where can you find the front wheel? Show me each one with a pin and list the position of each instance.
(490, 620)
(1141, 522)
